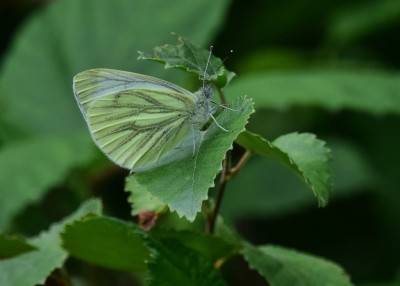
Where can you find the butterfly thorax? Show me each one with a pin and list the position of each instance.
(201, 113)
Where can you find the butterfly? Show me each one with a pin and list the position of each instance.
(136, 119)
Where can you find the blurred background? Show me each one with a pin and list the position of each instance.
(326, 67)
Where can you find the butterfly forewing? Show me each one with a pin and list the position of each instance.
(134, 119)
(93, 84)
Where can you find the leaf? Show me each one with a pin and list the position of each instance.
(210, 246)
(227, 233)
(273, 192)
(312, 157)
(13, 245)
(368, 91)
(191, 58)
(276, 192)
(175, 264)
(305, 155)
(107, 242)
(30, 167)
(143, 201)
(34, 267)
(351, 25)
(53, 46)
(286, 267)
(184, 184)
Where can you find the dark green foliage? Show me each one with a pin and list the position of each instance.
(315, 71)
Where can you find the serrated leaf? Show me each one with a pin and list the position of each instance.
(175, 264)
(34, 267)
(30, 167)
(303, 153)
(311, 157)
(143, 201)
(193, 59)
(107, 242)
(285, 267)
(13, 245)
(59, 42)
(365, 90)
(184, 184)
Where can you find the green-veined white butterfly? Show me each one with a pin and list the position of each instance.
(136, 119)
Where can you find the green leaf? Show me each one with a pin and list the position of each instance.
(276, 192)
(227, 233)
(107, 242)
(311, 157)
(184, 184)
(34, 267)
(286, 267)
(13, 245)
(193, 59)
(210, 246)
(369, 91)
(175, 264)
(143, 200)
(351, 25)
(305, 155)
(73, 35)
(30, 167)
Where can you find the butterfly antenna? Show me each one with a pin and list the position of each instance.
(227, 57)
(217, 104)
(205, 70)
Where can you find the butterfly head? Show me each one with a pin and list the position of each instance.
(207, 90)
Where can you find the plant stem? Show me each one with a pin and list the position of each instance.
(226, 174)
(220, 193)
(235, 170)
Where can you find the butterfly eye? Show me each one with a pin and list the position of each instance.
(207, 91)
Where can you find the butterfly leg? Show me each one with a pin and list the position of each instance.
(224, 106)
(216, 122)
(212, 110)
